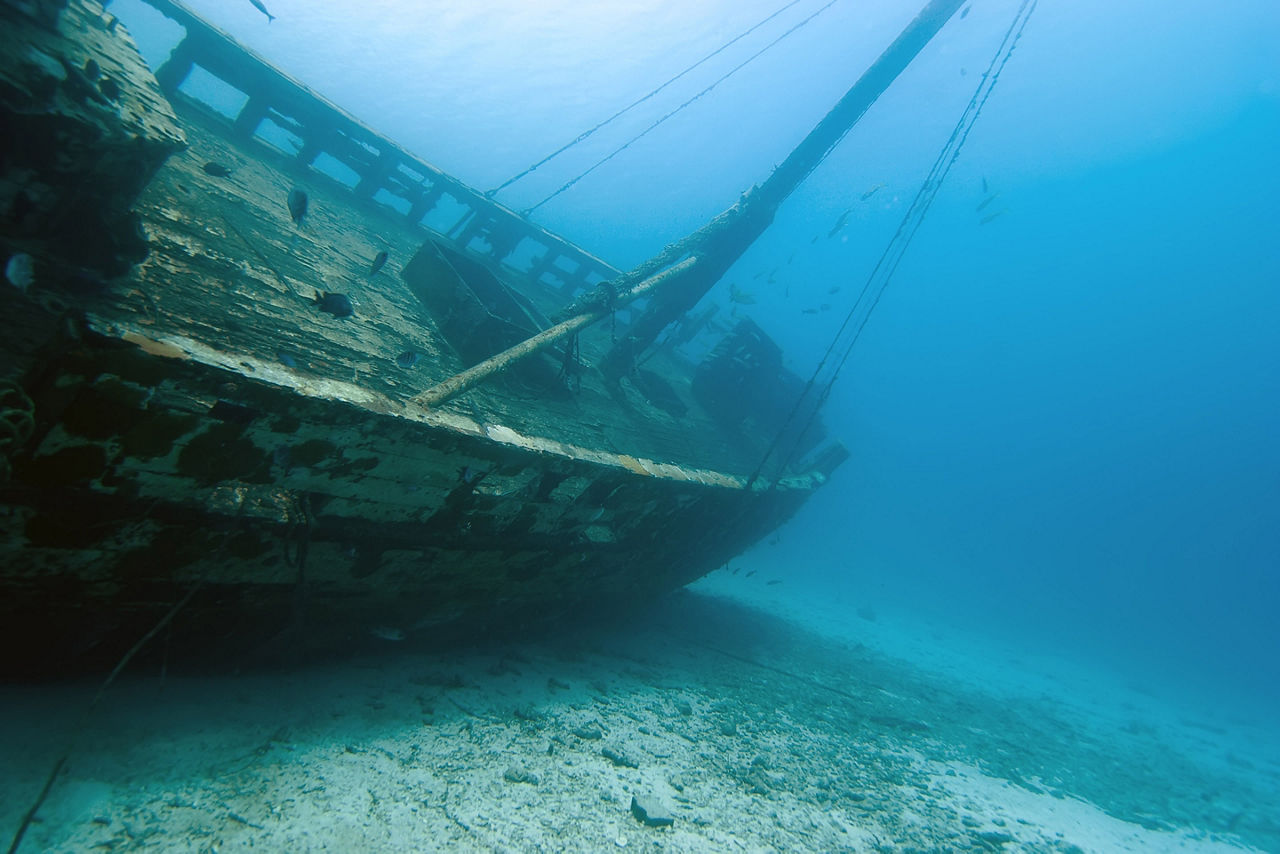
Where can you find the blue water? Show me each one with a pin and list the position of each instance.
(1063, 421)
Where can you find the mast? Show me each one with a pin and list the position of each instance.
(704, 256)
(755, 211)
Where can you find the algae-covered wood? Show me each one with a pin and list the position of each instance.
(200, 419)
(228, 266)
(85, 127)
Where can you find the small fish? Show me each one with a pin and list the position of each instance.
(217, 170)
(21, 271)
(79, 87)
(989, 217)
(749, 574)
(408, 359)
(834, 290)
(773, 582)
(965, 12)
(740, 296)
(835, 229)
(988, 200)
(386, 633)
(286, 359)
(379, 261)
(808, 311)
(257, 4)
(984, 185)
(872, 191)
(298, 205)
(471, 476)
(91, 69)
(339, 305)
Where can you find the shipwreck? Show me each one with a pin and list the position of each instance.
(499, 438)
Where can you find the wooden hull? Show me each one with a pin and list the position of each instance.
(319, 522)
(197, 424)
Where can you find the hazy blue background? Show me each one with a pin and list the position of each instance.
(1064, 422)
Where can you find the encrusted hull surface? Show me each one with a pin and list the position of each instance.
(316, 522)
(195, 423)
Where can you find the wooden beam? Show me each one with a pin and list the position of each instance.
(477, 374)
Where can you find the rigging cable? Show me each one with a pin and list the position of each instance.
(655, 124)
(888, 262)
(582, 136)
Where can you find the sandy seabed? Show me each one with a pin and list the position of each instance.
(747, 731)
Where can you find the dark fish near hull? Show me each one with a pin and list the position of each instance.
(257, 4)
(339, 305)
(298, 202)
(217, 170)
(79, 87)
(379, 261)
(408, 359)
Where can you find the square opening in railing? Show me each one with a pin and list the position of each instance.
(329, 165)
(279, 138)
(214, 92)
(526, 255)
(391, 200)
(444, 214)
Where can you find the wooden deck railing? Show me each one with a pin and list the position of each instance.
(483, 227)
